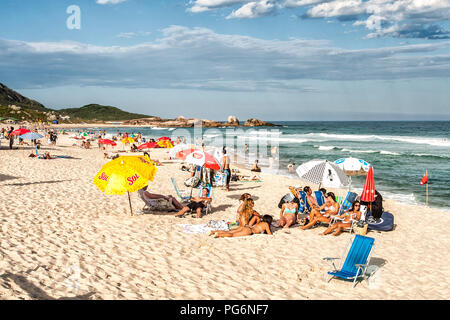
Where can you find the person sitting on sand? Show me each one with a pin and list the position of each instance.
(195, 203)
(134, 148)
(159, 202)
(257, 217)
(255, 167)
(288, 213)
(353, 214)
(330, 207)
(261, 227)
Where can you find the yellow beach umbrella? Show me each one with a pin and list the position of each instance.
(128, 140)
(125, 174)
(165, 144)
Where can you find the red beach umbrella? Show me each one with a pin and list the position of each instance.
(201, 158)
(368, 193)
(107, 141)
(164, 138)
(148, 145)
(19, 132)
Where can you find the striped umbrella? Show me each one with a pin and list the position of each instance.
(368, 193)
(323, 173)
(179, 147)
(201, 158)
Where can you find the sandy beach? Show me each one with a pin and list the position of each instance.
(62, 238)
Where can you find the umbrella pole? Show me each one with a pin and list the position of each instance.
(427, 193)
(129, 200)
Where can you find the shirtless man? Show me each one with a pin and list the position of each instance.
(226, 168)
(196, 203)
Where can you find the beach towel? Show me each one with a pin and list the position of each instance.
(205, 228)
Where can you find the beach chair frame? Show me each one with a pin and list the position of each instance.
(360, 251)
(183, 195)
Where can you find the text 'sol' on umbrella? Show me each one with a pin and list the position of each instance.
(125, 174)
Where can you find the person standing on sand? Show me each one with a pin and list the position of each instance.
(226, 168)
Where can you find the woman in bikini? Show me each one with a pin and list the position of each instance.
(245, 222)
(288, 214)
(353, 214)
(331, 207)
(261, 227)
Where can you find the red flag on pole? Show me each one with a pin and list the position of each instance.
(424, 179)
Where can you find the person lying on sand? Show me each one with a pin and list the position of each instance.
(288, 214)
(46, 156)
(353, 214)
(261, 227)
(331, 207)
(196, 204)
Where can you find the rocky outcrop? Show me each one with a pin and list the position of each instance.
(257, 123)
(182, 122)
(233, 121)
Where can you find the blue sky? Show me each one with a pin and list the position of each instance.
(269, 59)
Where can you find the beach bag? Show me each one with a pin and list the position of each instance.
(384, 223)
(192, 182)
(361, 228)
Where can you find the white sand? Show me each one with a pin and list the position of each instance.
(61, 237)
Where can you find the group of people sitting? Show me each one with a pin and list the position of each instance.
(325, 213)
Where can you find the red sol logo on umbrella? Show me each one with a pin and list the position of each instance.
(197, 155)
(103, 177)
(133, 179)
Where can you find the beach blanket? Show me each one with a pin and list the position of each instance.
(205, 228)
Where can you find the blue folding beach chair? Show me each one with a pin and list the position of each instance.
(356, 262)
(345, 206)
(347, 203)
(207, 209)
(182, 195)
(320, 198)
(307, 208)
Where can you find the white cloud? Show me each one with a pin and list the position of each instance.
(206, 5)
(110, 1)
(202, 59)
(254, 9)
(396, 18)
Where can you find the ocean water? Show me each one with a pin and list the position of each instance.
(399, 152)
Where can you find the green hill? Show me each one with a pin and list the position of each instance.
(96, 112)
(11, 97)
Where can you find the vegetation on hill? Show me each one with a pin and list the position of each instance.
(98, 112)
(14, 105)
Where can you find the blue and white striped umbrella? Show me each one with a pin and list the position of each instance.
(31, 136)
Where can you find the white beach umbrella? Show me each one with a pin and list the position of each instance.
(323, 173)
(352, 166)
